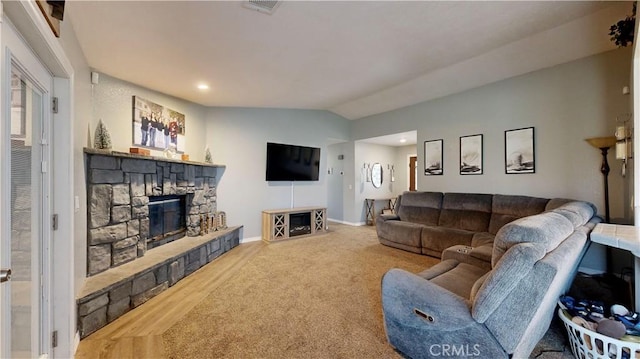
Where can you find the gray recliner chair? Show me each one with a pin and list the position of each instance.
(456, 309)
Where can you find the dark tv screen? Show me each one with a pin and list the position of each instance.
(292, 163)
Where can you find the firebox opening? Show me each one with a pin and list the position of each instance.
(166, 220)
(299, 224)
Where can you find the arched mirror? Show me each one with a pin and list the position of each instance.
(376, 175)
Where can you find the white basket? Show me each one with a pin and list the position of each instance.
(587, 344)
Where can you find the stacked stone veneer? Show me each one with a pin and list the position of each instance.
(119, 187)
(97, 309)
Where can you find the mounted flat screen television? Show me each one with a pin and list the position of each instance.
(292, 163)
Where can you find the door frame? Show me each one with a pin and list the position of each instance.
(30, 23)
(408, 168)
(17, 55)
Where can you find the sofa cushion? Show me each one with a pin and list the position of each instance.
(556, 202)
(547, 229)
(506, 208)
(420, 207)
(434, 240)
(454, 276)
(402, 232)
(577, 212)
(468, 211)
(482, 238)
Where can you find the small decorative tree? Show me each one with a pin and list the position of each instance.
(622, 32)
(101, 138)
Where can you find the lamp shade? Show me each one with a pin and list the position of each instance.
(602, 142)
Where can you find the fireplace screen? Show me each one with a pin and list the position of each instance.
(166, 219)
(299, 224)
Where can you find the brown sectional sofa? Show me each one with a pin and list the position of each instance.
(454, 225)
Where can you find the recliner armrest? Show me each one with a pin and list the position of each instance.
(421, 317)
(417, 302)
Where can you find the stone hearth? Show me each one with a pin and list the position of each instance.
(108, 295)
(119, 186)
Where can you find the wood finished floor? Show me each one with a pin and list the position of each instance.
(138, 334)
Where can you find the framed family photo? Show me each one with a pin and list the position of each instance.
(471, 155)
(157, 127)
(433, 158)
(519, 155)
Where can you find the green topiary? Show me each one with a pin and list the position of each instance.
(622, 32)
(101, 139)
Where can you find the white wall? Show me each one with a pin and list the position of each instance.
(238, 139)
(82, 115)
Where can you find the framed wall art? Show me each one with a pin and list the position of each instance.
(519, 155)
(433, 158)
(471, 155)
(156, 126)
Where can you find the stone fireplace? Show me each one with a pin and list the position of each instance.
(144, 231)
(135, 204)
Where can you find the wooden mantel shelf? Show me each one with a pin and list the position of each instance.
(111, 153)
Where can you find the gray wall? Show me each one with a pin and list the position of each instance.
(565, 104)
(335, 182)
(238, 139)
(370, 154)
(112, 103)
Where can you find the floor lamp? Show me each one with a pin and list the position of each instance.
(604, 144)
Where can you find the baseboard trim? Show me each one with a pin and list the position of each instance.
(250, 239)
(347, 223)
(76, 341)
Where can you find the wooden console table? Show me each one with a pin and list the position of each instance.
(370, 205)
(281, 224)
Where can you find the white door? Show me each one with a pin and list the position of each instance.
(25, 206)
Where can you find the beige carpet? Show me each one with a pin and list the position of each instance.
(315, 297)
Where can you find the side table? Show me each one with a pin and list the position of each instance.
(370, 208)
(622, 237)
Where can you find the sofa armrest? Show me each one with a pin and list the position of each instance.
(388, 217)
(416, 302)
(465, 254)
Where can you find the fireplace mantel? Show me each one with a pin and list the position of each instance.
(111, 153)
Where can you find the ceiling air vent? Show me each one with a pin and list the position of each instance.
(263, 6)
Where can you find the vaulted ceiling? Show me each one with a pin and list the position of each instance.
(355, 58)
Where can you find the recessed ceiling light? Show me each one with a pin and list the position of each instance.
(203, 87)
(403, 140)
